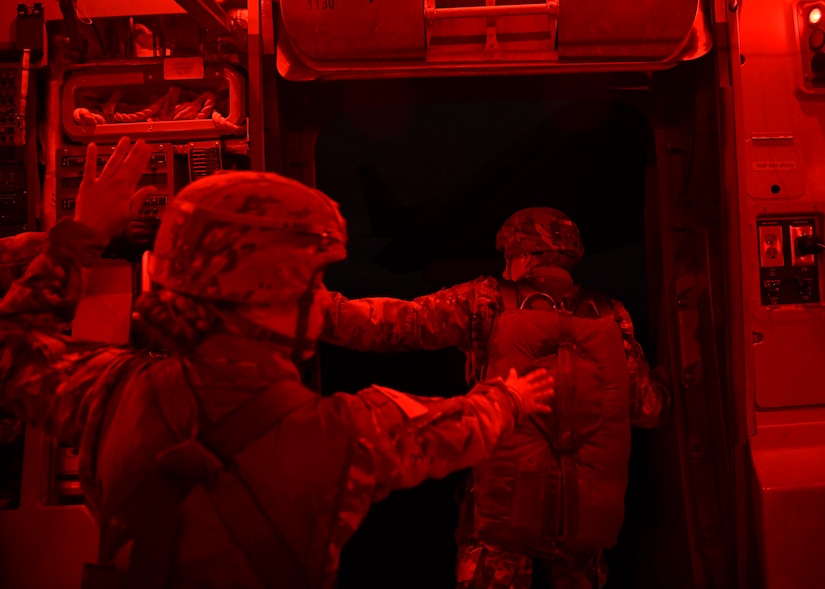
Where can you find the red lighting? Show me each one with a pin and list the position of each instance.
(815, 15)
(817, 39)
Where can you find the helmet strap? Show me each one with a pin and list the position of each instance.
(301, 344)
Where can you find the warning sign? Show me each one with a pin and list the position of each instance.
(774, 166)
(183, 68)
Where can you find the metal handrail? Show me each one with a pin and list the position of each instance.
(432, 13)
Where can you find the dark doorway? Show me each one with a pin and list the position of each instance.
(424, 187)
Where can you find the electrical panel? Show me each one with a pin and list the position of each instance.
(12, 119)
(787, 275)
(14, 201)
(204, 159)
(159, 173)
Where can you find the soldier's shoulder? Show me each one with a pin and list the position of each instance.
(23, 246)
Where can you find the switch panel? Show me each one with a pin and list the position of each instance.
(71, 161)
(12, 118)
(798, 230)
(786, 276)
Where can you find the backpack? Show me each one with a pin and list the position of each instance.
(559, 478)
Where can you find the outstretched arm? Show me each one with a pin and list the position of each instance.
(404, 439)
(439, 320)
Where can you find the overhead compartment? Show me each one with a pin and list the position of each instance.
(379, 38)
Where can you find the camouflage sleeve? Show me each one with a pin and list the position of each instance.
(649, 391)
(402, 440)
(439, 320)
(51, 287)
(45, 379)
(16, 253)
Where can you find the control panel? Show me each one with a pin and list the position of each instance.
(204, 158)
(14, 202)
(788, 265)
(12, 123)
(159, 173)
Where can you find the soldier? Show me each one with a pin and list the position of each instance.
(16, 253)
(553, 490)
(215, 467)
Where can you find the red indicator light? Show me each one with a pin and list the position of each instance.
(815, 15)
(817, 39)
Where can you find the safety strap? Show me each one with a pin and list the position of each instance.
(565, 385)
(509, 296)
(268, 553)
(564, 440)
(236, 430)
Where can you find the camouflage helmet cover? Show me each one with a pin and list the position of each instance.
(247, 237)
(539, 230)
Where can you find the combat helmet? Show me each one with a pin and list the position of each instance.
(247, 237)
(541, 230)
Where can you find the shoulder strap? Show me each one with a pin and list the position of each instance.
(253, 419)
(235, 501)
(509, 296)
(269, 555)
(588, 303)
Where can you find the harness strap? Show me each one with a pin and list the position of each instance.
(153, 549)
(509, 297)
(208, 461)
(267, 551)
(565, 385)
(251, 420)
(564, 440)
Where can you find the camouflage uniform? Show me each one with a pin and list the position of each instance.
(16, 253)
(140, 423)
(536, 243)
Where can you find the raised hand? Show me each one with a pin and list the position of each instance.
(535, 391)
(106, 203)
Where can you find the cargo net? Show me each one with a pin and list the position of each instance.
(176, 104)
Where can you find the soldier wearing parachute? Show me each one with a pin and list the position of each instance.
(553, 490)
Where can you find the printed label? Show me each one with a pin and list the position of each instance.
(183, 68)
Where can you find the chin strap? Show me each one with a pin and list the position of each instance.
(299, 344)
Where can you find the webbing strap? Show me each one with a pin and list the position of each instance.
(150, 562)
(565, 436)
(268, 554)
(254, 418)
(509, 297)
(267, 551)
(565, 385)
(570, 495)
